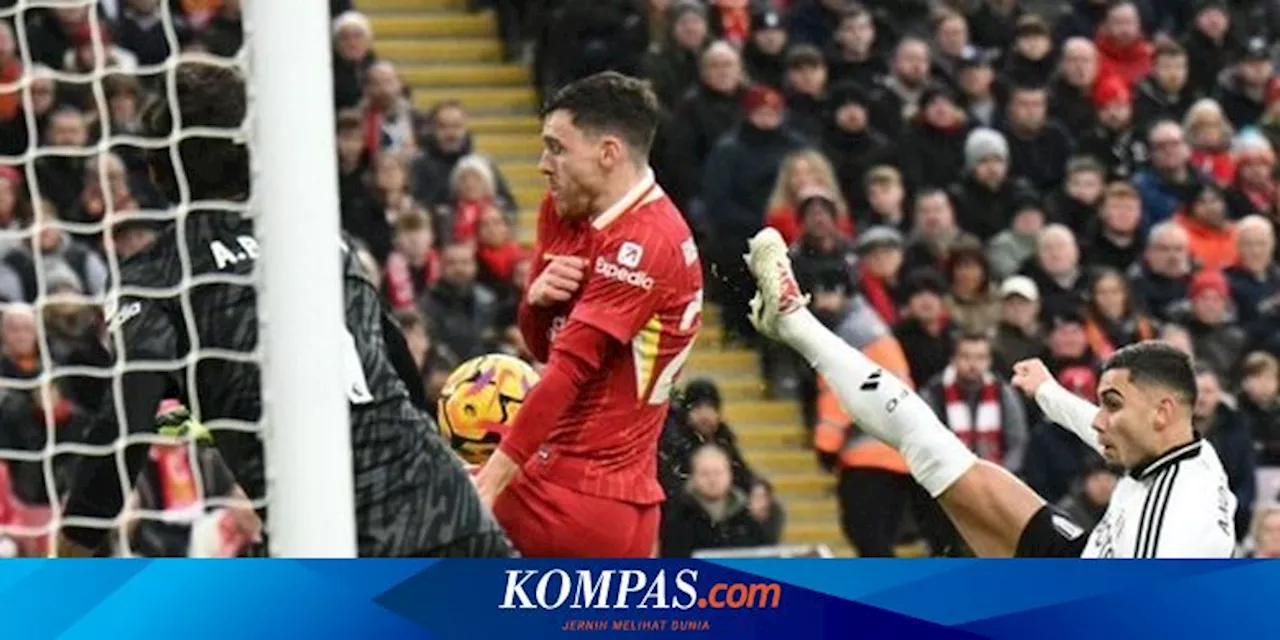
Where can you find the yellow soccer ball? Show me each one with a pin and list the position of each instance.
(480, 401)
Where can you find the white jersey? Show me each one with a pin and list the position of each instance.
(1177, 506)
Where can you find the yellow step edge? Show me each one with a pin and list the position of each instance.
(774, 411)
(527, 124)
(428, 25)
(405, 50)
(729, 361)
(431, 76)
(373, 6)
(525, 147)
(478, 99)
(801, 510)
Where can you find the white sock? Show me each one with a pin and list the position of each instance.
(881, 404)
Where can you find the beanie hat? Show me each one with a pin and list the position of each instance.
(1109, 90)
(1251, 146)
(1208, 280)
(984, 143)
(682, 7)
(701, 391)
(760, 96)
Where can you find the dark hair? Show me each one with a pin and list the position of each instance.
(803, 56)
(929, 192)
(968, 249)
(349, 120)
(1108, 272)
(971, 335)
(610, 102)
(1168, 48)
(212, 96)
(409, 319)
(443, 105)
(1157, 363)
(1027, 88)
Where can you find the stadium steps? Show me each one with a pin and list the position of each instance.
(444, 52)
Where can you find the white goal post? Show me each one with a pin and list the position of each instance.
(308, 440)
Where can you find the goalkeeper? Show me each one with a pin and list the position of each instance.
(412, 496)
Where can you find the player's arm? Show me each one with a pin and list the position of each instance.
(98, 489)
(1059, 405)
(1187, 517)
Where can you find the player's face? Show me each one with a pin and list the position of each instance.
(574, 164)
(1129, 416)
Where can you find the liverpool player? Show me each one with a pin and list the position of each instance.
(613, 306)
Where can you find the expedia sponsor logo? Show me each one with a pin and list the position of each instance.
(622, 274)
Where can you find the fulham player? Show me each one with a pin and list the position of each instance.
(613, 306)
(1174, 502)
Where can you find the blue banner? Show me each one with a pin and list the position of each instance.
(793, 599)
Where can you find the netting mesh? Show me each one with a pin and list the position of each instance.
(106, 205)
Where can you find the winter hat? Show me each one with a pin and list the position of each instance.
(353, 20)
(699, 392)
(935, 92)
(984, 143)
(1256, 48)
(1110, 90)
(848, 93)
(682, 7)
(1251, 146)
(761, 96)
(767, 19)
(818, 201)
(1208, 280)
(924, 280)
(880, 237)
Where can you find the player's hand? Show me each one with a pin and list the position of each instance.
(1028, 375)
(557, 282)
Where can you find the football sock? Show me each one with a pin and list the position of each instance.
(881, 404)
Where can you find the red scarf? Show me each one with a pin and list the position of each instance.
(1261, 199)
(466, 216)
(979, 428)
(736, 24)
(500, 260)
(11, 102)
(399, 283)
(877, 295)
(1217, 164)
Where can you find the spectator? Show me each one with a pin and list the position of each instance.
(1114, 141)
(806, 92)
(994, 23)
(970, 301)
(1229, 434)
(711, 513)
(1269, 123)
(352, 57)
(765, 53)
(1069, 357)
(416, 338)
(983, 410)
(19, 349)
(114, 195)
(1038, 147)
(391, 185)
(140, 30)
(124, 96)
(1017, 335)
(10, 72)
(704, 114)
(885, 199)
(986, 198)
(391, 122)
(763, 506)
(978, 88)
(1071, 93)
(855, 54)
(1210, 44)
(27, 417)
(1009, 249)
(1219, 342)
(1167, 92)
(62, 176)
(597, 35)
(1076, 203)
(1081, 18)
(1210, 134)
(698, 422)
(933, 233)
(1254, 190)
(1210, 234)
(739, 174)
(1030, 62)
(1259, 400)
(497, 253)
(1121, 44)
(925, 332)
(932, 147)
(672, 63)
(362, 217)
(731, 21)
(804, 174)
(950, 42)
(473, 189)
(815, 21)
(11, 201)
(879, 265)
(224, 35)
(900, 95)
(1170, 180)
(1160, 281)
(851, 144)
(448, 141)
(1113, 239)
(462, 312)
(56, 251)
(1242, 91)
(1255, 278)
(1266, 533)
(1088, 501)
(413, 268)
(1111, 319)
(1057, 272)
(1178, 337)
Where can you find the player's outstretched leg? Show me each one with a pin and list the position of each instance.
(989, 506)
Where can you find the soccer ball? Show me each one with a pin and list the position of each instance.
(480, 401)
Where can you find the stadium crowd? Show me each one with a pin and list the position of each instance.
(966, 183)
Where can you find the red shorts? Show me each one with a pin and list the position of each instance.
(546, 520)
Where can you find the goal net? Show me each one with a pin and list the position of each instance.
(77, 201)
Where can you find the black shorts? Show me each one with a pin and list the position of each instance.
(1051, 534)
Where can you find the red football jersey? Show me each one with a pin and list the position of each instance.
(644, 288)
